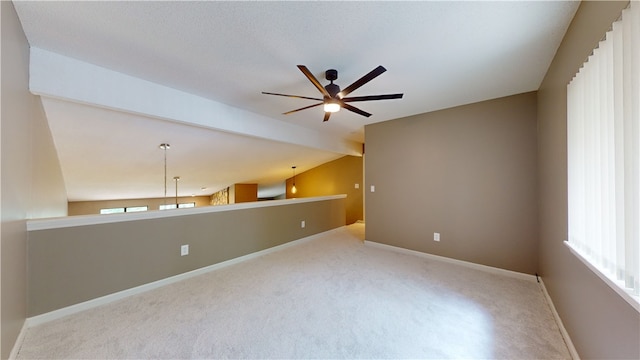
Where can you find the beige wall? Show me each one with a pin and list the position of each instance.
(73, 264)
(600, 323)
(335, 177)
(468, 173)
(31, 180)
(93, 207)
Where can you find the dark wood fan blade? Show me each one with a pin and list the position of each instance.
(326, 116)
(303, 108)
(292, 96)
(363, 80)
(313, 80)
(373, 97)
(355, 110)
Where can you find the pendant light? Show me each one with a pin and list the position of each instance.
(176, 179)
(165, 147)
(293, 188)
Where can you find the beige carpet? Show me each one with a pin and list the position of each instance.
(331, 297)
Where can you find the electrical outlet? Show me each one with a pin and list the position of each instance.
(357, 186)
(303, 224)
(184, 250)
(373, 188)
(436, 236)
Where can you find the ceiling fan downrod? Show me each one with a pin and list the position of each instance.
(332, 88)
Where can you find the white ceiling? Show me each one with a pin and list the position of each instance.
(439, 54)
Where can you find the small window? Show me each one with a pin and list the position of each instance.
(112, 211)
(124, 209)
(180, 206)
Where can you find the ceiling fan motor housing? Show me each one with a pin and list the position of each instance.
(332, 89)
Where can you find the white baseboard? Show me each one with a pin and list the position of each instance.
(18, 344)
(475, 266)
(76, 308)
(563, 331)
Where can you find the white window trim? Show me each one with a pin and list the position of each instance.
(617, 286)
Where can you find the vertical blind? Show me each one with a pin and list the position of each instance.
(603, 154)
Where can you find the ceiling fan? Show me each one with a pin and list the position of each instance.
(334, 99)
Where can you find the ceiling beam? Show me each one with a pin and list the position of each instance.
(57, 76)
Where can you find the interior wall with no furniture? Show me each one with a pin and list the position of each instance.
(467, 173)
(601, 324)
(31, 180)
(336, 177)
(245, 193)
(73, 263)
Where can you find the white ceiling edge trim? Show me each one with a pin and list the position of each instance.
(62, 77)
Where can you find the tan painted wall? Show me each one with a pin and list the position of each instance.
(600, 323)
(93, 207)
(30, 175)
(74, 264)
(245, 193)
(468, 173)
(335, 177)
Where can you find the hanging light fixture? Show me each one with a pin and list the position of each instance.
(293, 188)
(176, 179)
(165, 147)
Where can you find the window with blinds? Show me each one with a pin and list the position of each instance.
(603, 158)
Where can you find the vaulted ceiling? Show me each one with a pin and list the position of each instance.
(119, 78)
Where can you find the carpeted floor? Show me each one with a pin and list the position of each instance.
(331, 297)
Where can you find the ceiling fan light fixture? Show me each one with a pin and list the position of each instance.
(331, 106)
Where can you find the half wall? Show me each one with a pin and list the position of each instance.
(76, 259)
